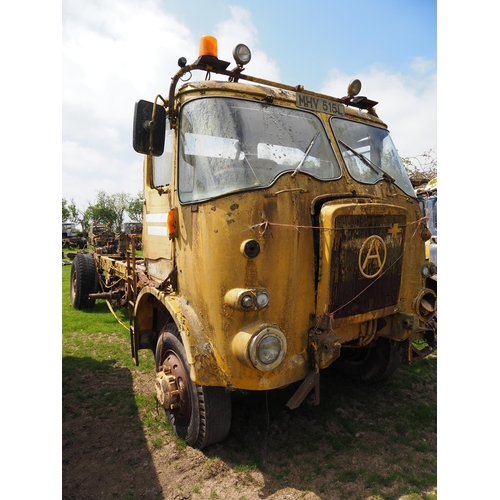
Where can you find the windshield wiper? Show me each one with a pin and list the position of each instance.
(368, 162)
(306, 154)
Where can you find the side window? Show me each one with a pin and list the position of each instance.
(162, 165)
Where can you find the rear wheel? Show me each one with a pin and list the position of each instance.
(200, 415)
(83, 281)
(375, 362)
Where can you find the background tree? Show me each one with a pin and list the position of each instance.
(102, 211)
(421, 168)
(107, 209)
(66, 214)
(121, 202)
(134, 209)
(70, 213)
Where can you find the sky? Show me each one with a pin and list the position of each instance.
(115, 53)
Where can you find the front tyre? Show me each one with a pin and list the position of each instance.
(200, 415)
(376, 362)
(83, 281)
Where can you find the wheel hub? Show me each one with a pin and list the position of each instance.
(172, 388)
(166, 390)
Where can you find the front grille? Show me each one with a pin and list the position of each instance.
(365, 263)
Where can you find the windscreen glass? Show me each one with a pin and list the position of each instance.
(228, 145)
(369, 154)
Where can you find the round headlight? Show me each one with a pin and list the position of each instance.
(242, 54)
(267, 349)
(261, 299)
(425, 304)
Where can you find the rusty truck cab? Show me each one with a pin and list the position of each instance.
(281, 234)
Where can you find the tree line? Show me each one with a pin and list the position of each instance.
(108, 208)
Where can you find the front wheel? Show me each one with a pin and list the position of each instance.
(373, 363)
(200, 415)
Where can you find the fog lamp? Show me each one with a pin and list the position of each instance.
(261, 299)
(247, 301)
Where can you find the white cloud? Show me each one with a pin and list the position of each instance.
(87, 170)
(113, 53)
(407, 102)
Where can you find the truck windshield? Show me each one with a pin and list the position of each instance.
(228, 145)
(358, 140)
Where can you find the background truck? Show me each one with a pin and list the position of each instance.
(101, 235)
(71, 238)
(131, 228)
(427, 199)
(281, 237)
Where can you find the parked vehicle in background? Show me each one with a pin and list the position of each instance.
(130, 228)
(100, 235)
(427, 199)
(71, 238)
(281, 236)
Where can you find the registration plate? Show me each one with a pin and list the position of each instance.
(319, 104)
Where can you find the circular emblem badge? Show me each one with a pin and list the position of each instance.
(372, 256)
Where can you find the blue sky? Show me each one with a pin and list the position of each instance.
(349, 35)
(114, 53)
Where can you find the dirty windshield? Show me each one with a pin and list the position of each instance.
(369, 154)
(228, 145)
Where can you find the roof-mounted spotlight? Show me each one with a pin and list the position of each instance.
(354, 88)
(353, 99)
(242, 54)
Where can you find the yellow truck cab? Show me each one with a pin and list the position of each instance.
(281, 235)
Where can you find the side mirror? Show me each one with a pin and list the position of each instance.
(149, 131)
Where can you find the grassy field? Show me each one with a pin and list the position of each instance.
(363, 441)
